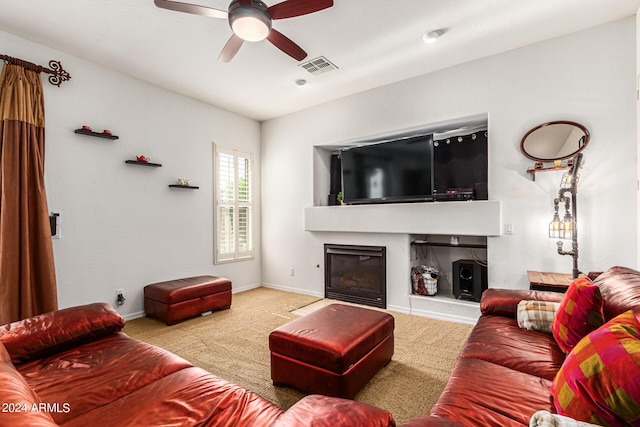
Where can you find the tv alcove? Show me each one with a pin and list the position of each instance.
(396, 225)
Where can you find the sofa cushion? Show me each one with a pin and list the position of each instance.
(190, 397)
(537, 315)
(480, 393)
(599, 381)
(49, 333)
(580, 312)
(110, 367)
(499, 340)
(620, 289)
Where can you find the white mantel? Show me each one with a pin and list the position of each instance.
(464, 218)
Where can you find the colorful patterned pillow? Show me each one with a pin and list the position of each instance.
(580, 312)
(599, 381)
(536, 315)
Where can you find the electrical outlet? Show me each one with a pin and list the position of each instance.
(54, 222)
(292, 272)
(120, 296)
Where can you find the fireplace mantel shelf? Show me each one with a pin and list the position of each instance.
(465, 218)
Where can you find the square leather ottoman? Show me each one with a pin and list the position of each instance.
(176, 300)
(333, 351)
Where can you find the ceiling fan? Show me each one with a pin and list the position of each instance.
(250, 20)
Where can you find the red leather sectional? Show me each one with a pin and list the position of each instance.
(504, 373)
(74, 367)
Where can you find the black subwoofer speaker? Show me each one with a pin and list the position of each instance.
(469, 279)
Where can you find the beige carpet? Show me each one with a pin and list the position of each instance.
(233, 344)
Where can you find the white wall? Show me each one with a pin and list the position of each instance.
(588, 77)
(122, 227)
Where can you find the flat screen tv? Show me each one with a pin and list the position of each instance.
(388, 172)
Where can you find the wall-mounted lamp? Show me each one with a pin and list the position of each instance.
(567, 228)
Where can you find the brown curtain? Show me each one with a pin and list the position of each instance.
(27, 273)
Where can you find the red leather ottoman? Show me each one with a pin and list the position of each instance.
(333, 351)
(176, 300)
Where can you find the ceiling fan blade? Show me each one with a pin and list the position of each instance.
(291, 8)
(286, 45)
(245, 2)
(230, 49)
(191, 8)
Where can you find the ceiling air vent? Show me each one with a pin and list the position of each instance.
(318, 65)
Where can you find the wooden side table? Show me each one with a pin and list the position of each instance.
(556, 282)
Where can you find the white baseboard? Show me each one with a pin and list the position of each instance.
(294, 290)
(434, 315)
(235, 290)
(132, 316)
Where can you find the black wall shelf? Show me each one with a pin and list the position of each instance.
(449, 245)
(136, 162)
(190, 187)
(96, 134)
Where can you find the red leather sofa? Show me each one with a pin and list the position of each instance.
(74, 367)
(504, 373)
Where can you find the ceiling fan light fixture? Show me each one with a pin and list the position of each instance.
(250, 23)
(250, 29)
(251, 20)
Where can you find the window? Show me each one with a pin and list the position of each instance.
(233, 205)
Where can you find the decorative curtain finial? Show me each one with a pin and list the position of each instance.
(58, 74)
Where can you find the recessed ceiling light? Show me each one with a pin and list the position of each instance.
(431, 36)
(300, 82)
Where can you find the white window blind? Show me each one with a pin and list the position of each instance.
(234, 205)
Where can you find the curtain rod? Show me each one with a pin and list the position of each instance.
(58, 74)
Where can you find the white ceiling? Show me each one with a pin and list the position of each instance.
(372, 42)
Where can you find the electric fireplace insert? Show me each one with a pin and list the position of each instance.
(356, 274)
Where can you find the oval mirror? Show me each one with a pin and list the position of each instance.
(554, 141)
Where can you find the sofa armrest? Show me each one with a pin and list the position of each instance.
(320, 411)
(504, 302)
(52, 332)
(20, 404)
